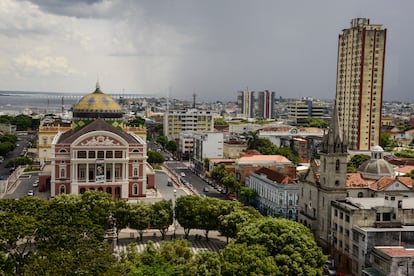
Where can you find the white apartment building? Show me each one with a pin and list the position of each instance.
(207, 145)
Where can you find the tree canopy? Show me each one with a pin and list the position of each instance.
(65, 236)
(155, 157)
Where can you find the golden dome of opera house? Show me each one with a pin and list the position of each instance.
(98, 152)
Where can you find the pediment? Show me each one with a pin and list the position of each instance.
(99, 141)
(396, 186)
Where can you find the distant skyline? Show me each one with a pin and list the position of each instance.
(212, 48)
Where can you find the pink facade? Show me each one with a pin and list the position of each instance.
(100, 157)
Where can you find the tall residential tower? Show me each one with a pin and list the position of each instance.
(245, 102)
(359, 83)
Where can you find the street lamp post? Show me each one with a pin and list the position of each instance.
(174, 218)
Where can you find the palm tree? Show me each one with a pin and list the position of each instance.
(252, 140)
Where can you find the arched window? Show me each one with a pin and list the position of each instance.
(336, 182)
(337, 163)
(360, 194)
(62, 189)
(135, 172)
(135, 189)
(82, 190)
(62, 151)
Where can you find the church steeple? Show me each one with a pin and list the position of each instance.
(334, 141)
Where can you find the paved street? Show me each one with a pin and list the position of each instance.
(191, 180)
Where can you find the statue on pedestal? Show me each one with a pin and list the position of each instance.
(110, 232)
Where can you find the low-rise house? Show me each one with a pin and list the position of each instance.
(252, 162)
(276, 193)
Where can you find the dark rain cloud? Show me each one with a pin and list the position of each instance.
(286, 46)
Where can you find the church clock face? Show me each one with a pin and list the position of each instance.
(294, 131)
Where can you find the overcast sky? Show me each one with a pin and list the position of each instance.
(209, 47)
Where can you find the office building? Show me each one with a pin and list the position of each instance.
(191, 120)
(359, 83)
(265, 104)
(245, 103)
(301, 111)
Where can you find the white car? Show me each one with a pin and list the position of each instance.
(36, 183)
(30, 193)
(182, 174)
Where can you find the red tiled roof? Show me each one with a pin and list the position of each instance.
(260, 157)
(404, 169)
(276, 176)
(397, 251)
(355, 180)
(387, 181)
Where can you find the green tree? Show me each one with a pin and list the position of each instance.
(155, 157)
(140, 218)
(137, 122)
(287, 241)
(162, 140)
(86, 257)
(245, 259)
(8, 138)
(315, 122)
(22, 122)
(162, 216)
(98, 206)
(171, 146)
(231, 183)
(6, 147)
(209, 212)
(386, 141)
(186, 212)
(206, 164)
(410, 174)
(230, 223)
(247, 194)
(173, 258)
(356, 161)
(17, 161)
(220, 122)
(208, 264)
(16, 237)
(122, 213)
(218, 172)
(252, 140)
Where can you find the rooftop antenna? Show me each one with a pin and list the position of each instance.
(169, 97)
(194, 100)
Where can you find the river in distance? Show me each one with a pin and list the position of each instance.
(21, 102)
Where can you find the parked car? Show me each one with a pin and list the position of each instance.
(36, 183)
(206, 189)
(30, 193)
(182, 174)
